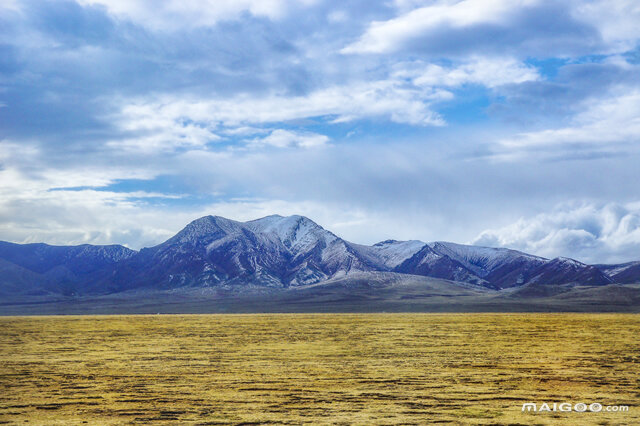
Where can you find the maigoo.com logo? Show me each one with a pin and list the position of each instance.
(579, 407)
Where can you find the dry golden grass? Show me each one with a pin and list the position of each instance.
(344, 368)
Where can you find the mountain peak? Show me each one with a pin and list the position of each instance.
(213, 226)
(293, 231)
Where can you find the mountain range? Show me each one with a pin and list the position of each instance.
(276, 257)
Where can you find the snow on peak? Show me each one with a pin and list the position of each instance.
(205, 226)
(295, 232)
(393, 252)
(479, 251)
(568, 262)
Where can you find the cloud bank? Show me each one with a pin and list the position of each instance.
(587, 231)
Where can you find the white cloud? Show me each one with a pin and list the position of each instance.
(31, 212)
(10, 150)
(616, 21)
(149, 133)
(172, 14)
(590, 232)
(612, 123)
(162, 118)
(280, 138)
(388, 36)
(244, 131)
(490, 72)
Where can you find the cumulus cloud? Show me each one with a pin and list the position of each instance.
(387, 36)
(281, 138)
(559, 28)
(489, 72)
(148, 133)
(589, 232)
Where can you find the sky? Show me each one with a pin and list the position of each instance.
(505, 123)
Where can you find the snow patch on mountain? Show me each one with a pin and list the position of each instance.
(568, 262)
(390, 253)
(481, 260)
(394, 252)
(613, 270)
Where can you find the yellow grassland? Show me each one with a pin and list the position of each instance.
(318, 368)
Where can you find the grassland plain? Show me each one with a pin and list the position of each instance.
(318, 368)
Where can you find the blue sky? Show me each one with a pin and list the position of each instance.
(499, 122)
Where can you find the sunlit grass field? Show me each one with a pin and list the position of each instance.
(318, 369)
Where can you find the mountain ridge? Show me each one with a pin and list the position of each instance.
(278, 252)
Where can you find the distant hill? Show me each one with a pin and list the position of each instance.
(275, 255)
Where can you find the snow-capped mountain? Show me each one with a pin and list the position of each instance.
(390, 253)
(482, 260)
(278, 252)
(274, 251)
(499, 267)
(495, 268)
